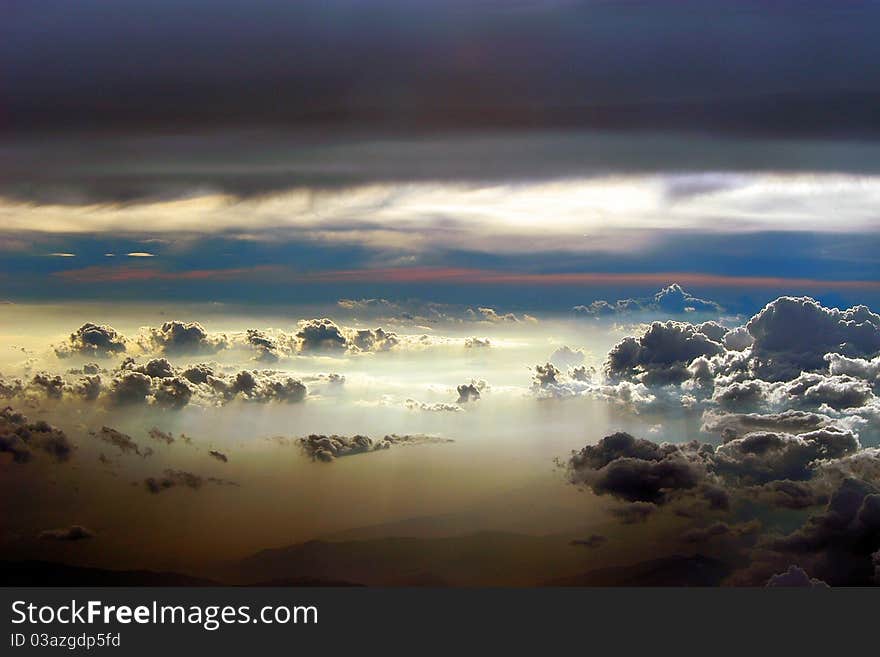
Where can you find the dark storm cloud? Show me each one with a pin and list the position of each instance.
(444, 64)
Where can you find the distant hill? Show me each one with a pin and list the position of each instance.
(477, 559)
(668, 571)
(45, 573)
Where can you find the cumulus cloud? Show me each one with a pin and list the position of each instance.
(859, 368)
(220, 456)
(92, 341)
(19, 437)
(161, 436)
(130, 387)
(324, 335)
(565, 356)
(793, 334)
(321, 335)
(122, 441)
(670, 300)
(72, 533)
(177, 338)
(825, 376)
(477, 343)
(470, 392)
(840, 541)
(823, 468)
(269, 349)
(635, 513)
(175, 478)
(662, 354)
(797, 577)
(159, 383)
(593, 541)
(637, 470)
(329, 448)
(431, 407)
(761, 457)
(484, 314)
(720, 531)
(732, 425)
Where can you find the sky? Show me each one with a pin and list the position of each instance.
(450, 227)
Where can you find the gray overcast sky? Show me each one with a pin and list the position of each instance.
(788, 67)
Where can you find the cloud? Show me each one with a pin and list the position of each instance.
(172, 392)
(93, 341)
(175, 478)
(329, 448)
(490, 315)
(269, 349)
(324, 335)
(720, 531)
(19, 437)
(795, 576)
(741, 386)
(787, 494)
(159, 383)
(72, 533)
(839, 541)
(161, 436)
(175, 338)
(636, 470)
(477, 343)
(761, 457)
(793, 334)
(732, 425)
(321, 335)
(435, 407)
(635, 513)
(565, 356)
(859, 368)
(593, 541)
(662, 354)
(670, 300)
(220, 456)
(123, 441)
(373, 340)
(130, 387)
(470, 392)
